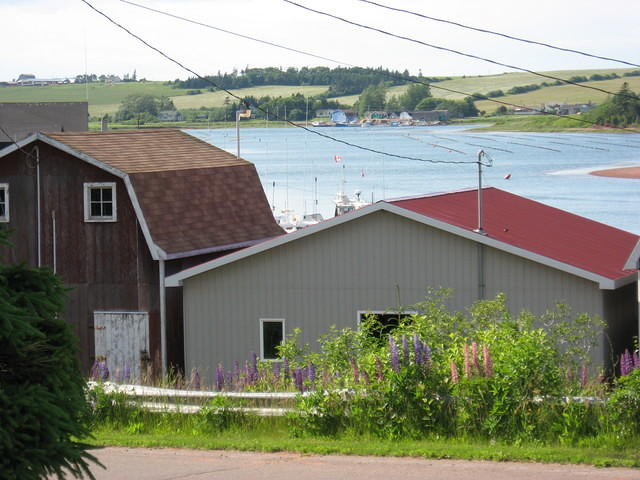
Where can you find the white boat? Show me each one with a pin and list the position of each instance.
(288, 221)
(309, 219)
(344, 204)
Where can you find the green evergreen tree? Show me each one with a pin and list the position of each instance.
(42, 391)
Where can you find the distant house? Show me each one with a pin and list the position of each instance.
(385, 257)
(22, 119)
(170, 116)
(324, 112)
(343, 116)
(113, 213)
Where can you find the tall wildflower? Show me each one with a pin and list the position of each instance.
(311, 372)
(454, 373)
(626, 363)
(466, 361)
(487, 362)
(417, 349)
(195, 379)
(393, 350)
(219, 377)
(405, 349)
(104, 371)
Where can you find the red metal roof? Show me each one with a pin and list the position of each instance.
(533, 226)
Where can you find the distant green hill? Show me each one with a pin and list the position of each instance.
(106, 98)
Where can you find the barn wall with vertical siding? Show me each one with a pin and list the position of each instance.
(379, 261)
(107, 265)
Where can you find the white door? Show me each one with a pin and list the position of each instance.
(121, 339)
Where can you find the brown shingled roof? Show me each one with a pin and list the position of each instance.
(194, 196)
(136, 151)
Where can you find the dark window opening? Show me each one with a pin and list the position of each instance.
(383, 324)
(272, 336)
(101, 202)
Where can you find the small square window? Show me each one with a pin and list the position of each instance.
(271, 336)
(100, 202)
(4, 202)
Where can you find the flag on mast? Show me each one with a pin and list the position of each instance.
(337, 158)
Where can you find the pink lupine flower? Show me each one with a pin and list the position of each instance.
(486, 360)
(466, 361)
(454, 373)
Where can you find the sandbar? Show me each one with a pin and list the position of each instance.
(626, 172)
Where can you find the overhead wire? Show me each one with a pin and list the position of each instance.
(390, 74)
(228, 92)
(451, 50)
(504, 35)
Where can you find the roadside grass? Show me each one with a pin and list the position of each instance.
(272, 436)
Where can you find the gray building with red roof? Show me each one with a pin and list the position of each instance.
(114, 213)
(386, 256)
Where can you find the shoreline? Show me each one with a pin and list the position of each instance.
(624, 172)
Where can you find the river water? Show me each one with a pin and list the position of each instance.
(297, 167)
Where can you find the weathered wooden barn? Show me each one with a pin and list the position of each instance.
(387, 255)
(114, 213)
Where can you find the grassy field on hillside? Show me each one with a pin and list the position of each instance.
(505, 81)
(105, 99)
(216, 99)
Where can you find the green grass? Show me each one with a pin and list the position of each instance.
(105, 99)
(273, 437)
(537, 123)
(505, 81)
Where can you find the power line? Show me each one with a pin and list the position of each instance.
(390, 74)
(504, 35)
(450, 50)
(247, 37)
(315, 132)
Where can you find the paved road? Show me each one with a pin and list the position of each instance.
(170, 463)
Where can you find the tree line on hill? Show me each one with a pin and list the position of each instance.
(341, 80)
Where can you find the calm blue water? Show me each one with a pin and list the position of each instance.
(551, 168)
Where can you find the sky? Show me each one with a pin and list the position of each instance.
(64, 38)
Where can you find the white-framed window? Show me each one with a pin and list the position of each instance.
(271, 335)
(387, 320)
(100, 202)
(4, 202)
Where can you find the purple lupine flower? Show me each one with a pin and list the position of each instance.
(356, 370)
(417, 349)
(486, 361)
(219, 378)
(104, 371)
(393, 349)
(426, 354)
(253, 368)
(297, 378)
(195, 379)
(455, 378)
(626, 363)
(94, 372)
(474, 357)
(311, 372)
(126, 374)
(466, 362)
(405, 349)
(583, 376)
(379, 370)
